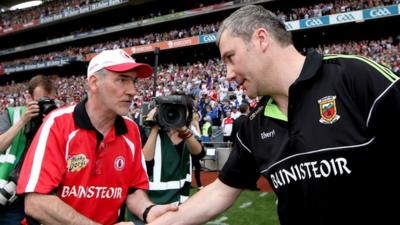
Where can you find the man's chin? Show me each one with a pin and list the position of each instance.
(123, 112)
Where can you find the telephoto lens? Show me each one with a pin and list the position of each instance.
(7, 193)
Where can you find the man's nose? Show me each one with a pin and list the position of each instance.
(230, 74)
(131, 89)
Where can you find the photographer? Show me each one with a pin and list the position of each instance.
(17, 127)
(168, 150)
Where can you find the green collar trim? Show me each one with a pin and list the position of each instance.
(273, 111)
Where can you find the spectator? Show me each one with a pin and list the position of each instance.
(195, 128)
(244, 110)
(226, 127)
(206, 129)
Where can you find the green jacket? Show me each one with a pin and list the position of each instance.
(10, 158)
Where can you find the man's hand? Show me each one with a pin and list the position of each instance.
(32, 109)
(159, 210)
(125, 223)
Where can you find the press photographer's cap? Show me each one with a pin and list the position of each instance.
(117, 60)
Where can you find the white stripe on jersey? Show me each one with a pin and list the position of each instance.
(41, 146)
(131, 146)
(70, 137)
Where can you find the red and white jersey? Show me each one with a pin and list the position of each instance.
(90, 173)
(227, 124)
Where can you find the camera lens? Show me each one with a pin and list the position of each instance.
(7, 192)
(172, 116)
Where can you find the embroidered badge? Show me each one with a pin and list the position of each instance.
(119, 163)
(77, 162)
(328, 110)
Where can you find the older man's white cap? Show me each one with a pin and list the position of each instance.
(117, 60)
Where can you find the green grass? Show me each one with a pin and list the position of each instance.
(251, 208)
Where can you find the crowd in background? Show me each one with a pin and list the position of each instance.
(328, 8)
(212, 93)
(78, 52)
(123, 42)
(53, 7)
(49, 8)
(205, 81)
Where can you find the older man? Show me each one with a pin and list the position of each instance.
(86, 159)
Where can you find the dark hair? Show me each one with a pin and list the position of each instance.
(243, 108)
(244, 21)
(41, 81)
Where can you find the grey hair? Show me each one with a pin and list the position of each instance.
(101, 72)
(244, 21)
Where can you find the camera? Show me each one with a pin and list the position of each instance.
(171, 111)
(46, 105)
(7, 193)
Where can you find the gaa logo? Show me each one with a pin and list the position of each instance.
(210, 38)
(288, 26)
(345, 17)
(380, 12)
(314, 22)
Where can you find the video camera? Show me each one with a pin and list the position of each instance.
(171, 111)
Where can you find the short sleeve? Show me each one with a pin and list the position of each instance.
(45, 164)
(240, 170)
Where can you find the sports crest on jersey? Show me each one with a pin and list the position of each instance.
(328, 110)
(119, 163)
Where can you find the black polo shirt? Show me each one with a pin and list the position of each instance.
(331, 160)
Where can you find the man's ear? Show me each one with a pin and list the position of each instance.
(93, 83)
(262, 38)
